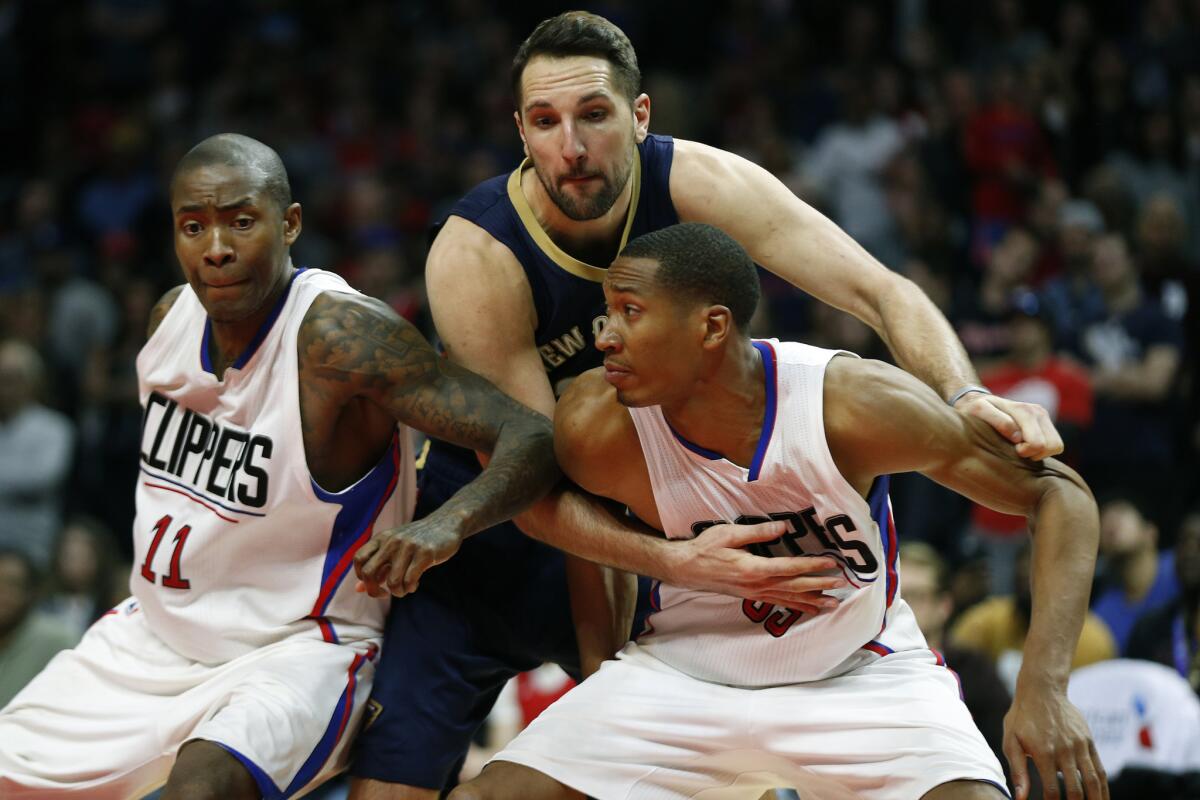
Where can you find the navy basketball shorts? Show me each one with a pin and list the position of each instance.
(500, 606)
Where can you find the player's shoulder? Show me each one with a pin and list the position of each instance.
(347, 332)
(334, 312)
(699, 160)
(864, 399)
(463, 248)
(592, 430)
(590, 401)
(707, 180)
(470, 272)
(159, 311)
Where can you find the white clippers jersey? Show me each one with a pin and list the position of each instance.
(235, 545)
(726, 640)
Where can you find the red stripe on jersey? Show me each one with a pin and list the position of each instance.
(892, 580)
(189, 497)
(339, 571)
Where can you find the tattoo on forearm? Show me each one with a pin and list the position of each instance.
(352, 346)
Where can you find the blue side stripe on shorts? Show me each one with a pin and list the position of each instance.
(333, 733)
(265, 784)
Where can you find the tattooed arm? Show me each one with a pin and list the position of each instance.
(354, 348)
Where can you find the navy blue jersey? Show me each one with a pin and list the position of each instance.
(501, 605)
(566, 291)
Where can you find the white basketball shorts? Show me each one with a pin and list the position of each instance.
(105, 720)
(640, 729)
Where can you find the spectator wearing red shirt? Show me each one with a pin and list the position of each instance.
(1007, 155)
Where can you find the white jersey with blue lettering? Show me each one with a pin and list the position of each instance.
(235, 545)
(793, 478)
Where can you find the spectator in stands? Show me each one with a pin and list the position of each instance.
(80, 588)
(998, 626)
(1171, 635)
(1007, 153)
(846, 166)
(1071, 298)
(28, 640)
(1133, 354)
(981, 314)
(1164, 263)
(1138, 578)
(35, 455)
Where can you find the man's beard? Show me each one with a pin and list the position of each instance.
(583, 209)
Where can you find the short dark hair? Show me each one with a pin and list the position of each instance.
(704, 263)
(236, 150)
(579, 33)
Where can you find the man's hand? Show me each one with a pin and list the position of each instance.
(715, 561)
(1027, 425)
(392, 561)
(1044, 726)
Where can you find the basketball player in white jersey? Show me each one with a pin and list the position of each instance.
(271, 451)
(690, 424)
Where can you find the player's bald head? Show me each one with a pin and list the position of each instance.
(235, 150)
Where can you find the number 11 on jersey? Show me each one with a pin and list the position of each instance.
(173, 579)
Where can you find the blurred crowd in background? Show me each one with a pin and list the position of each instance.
(1034, 167)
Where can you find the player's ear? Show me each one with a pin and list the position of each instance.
(293, 222)
(641, 116)
(718, 326)
(521, 132)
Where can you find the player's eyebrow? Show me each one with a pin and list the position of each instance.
(622, 288)
(241, 202)
(599, 94)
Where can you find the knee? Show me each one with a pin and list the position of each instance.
(206, 771)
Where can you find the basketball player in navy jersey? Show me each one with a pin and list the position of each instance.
(514, 285)
(690, 422)
(271, 449)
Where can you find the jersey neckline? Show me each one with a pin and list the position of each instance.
(259, 336)
(771, 381)
(547, 245)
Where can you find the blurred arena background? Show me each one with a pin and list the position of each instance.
(1035, 167)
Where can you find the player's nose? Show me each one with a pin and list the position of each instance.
(218, 250)
(573, 148)
(608, 339)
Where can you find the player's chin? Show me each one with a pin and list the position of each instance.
(234, 309)
(633, 399)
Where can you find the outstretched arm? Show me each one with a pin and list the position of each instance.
(878, 420)
(795, 241)
(361, 348)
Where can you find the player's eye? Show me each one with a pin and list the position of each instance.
(243, 223)
(191, 228)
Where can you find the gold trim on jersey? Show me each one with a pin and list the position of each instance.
(546, 244)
